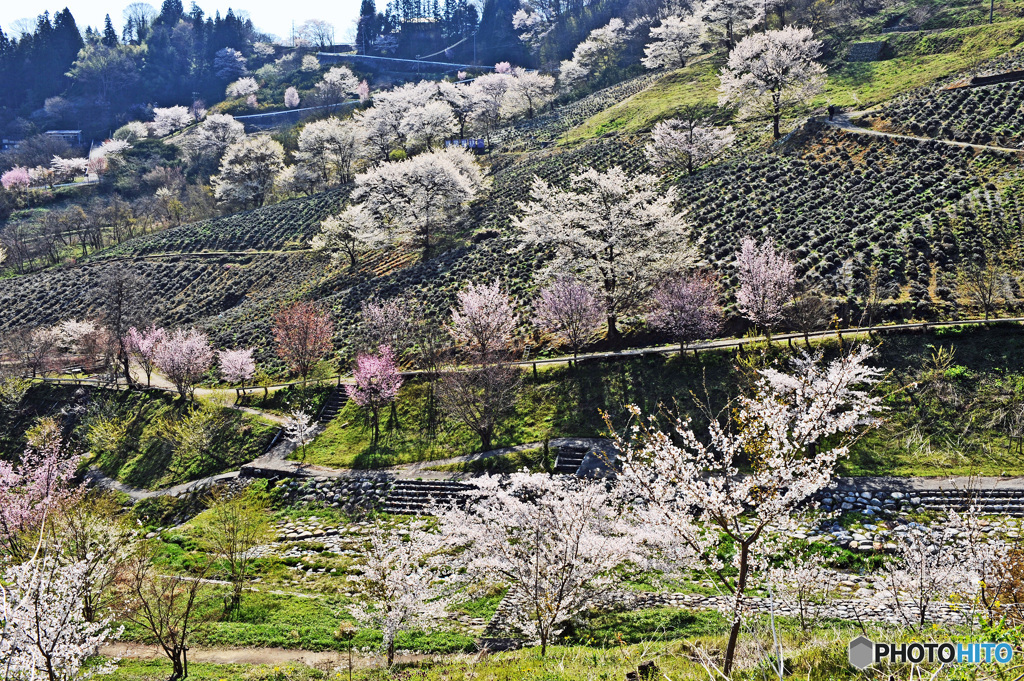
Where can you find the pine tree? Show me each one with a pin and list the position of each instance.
(366, 29)
(109, 34)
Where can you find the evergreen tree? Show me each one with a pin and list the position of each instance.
(366, 30)
(497, 40)
(109, 34)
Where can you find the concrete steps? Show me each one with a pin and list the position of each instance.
(988, 502)
(570, 456)
(415, 497)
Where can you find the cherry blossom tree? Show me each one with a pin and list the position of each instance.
(67, 169)
(686, 307)
(727, 19)
(529, 91)
(336, 85)
(767, 283)
(131, 132)
(248, 170)
(425, 126)
(419, 199)
(554, 541)
(460, 98)
(183, 357)
(687, 143)
(299, 430)
(291, 98)
(216, 133)
(236, 366)
(303, 335)
(377, 381)
(568, 309)
(484, 321)
(790, 431)
(31, 489)
(229, 63)
(489, 93)
(597, 51)
(171, 119)
(674, 41)
(44, 633)
(327, 150)
(243, 87)
(390, 322)
(406, 580)
(16, 179)
(618, 234)
(142, 345)
(769, 74)
(363, 91)
(348, 234)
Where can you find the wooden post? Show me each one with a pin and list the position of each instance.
(535, 370)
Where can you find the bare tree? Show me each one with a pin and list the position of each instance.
(480, 398)
(984, 286)
(808, 312)
(165, 606)
(123, 300)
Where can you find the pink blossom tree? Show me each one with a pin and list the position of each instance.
(787, 431)
(183, 357)
(363, 90)
(16, 179)
(236, 366)
(568, 309)
(391, 322)
(303, 335)
(31, 489)
(553, 541)
(686, 307)
(377, 383)
(767, 282)
(484, 320)
(142, 345)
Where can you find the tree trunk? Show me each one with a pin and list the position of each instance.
(775, 125)
(613, 327)
(391, 652)
(741, 585)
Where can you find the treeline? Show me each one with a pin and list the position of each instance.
(58, 75)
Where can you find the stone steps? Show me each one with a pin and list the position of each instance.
(333, 405)
(878, 502)
(415, 497)
(570, 456)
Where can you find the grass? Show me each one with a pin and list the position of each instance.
(670, 638)
(533, 459)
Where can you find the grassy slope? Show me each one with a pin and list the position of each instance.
(921, 59)
(940, 420)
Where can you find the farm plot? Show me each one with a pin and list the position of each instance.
(983, 115)
(844, 204)
(284, 226)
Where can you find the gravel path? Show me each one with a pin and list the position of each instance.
(845, 122)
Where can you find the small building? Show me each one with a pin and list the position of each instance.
(72, 137)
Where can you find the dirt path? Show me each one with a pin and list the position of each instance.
(275, 656)
(845, 122)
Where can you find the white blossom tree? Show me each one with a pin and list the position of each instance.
(490, 92)
(687, 143)
(348, 234)
(406, 580)
(236, 366)
(44, 633)
(425, 126)
(617, 233)
(327, 150)
(338, 83)
(791, 430)
(728, 19)
(767, 282)
(674, 41)
(216, 133)
(770, 74)
(248, 171)
(528, 92)
(597, 51)
(417, 200)
(299, 429)
(553, 540)
(291, 97)
(170, 119)
(243, 87)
